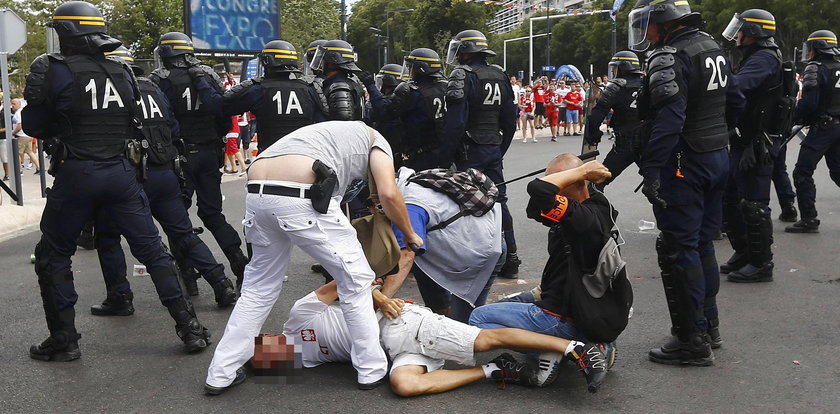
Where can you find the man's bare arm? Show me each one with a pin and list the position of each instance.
(593, 171)
(382, 170)
(394, 282)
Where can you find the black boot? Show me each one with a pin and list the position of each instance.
(189, 329)
(190, 278)
(806, 225)
(63, 343)
(510, 270)
(225, 295)
(696, 351)
(760, 235)
(115, 304)
(60, 346)
(788, 210)
(714, 333)
(737, 261)
(238, 261)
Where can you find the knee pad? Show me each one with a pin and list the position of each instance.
(44, 255)
(754, 211)
(835, 176)
(666, 249)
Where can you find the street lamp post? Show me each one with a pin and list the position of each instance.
(388, 14)
(378, 33)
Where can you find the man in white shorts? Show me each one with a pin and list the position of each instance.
(294, 189)
(419, 341)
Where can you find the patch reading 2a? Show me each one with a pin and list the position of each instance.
(558, 211)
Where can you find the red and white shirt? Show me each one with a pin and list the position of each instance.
(526, 105)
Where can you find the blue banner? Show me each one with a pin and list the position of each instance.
(232, 25)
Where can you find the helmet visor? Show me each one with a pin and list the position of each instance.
(378, 81)
(732, 28)
(317, 63)
(637, 31)
(612, 70)
(452, 53)
(406, 69)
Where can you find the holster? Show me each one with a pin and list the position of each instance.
(58, 153)
(178, 165)
(325, 182)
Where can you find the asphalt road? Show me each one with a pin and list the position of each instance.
(779, 353)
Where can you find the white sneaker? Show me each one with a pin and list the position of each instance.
(535, 140)
(524, 140)
(548, 367)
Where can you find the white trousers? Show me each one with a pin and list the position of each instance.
(273, 224)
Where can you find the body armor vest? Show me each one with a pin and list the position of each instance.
(626, 116)
(760, 109)
(198, 125)
(286, 105)
(483, 123)
(156, 128)
(830, 102)
(705, 126)
(356, 98)
(101, 118)
(433, 96)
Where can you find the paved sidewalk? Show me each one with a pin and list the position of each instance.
(14, 219)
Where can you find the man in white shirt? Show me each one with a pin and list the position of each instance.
(561, 91)
(24, 141)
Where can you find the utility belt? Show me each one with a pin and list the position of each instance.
(827, 121)
(135, 152)
(320, 193)
(419, 151)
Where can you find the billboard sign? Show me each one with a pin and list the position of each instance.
(231, 28)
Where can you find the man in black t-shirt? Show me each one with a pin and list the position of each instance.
(561, 201)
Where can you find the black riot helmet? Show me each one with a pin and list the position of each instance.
(389, 76)
(279, 56)
(310, 53)
(421, 62)
(335, 52)
(468, 41)
(126, 56)
(658, 12)
(81, 28)
(821, 41)
(755, 23)
(174, 44)
(623, 62)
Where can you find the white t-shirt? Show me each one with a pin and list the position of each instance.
(516, 89)
(342, 145)
(561, 92)
(320, 330)
(16, 121)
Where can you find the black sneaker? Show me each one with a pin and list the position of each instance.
(548, 365)
(510, 269)
(239, 379)
(553, 139)
(512, 371)
(809, 225)
(592, 360)
(58, 347)
(697, 351)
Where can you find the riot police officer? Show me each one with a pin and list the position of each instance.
(819, 108)
(162, 187)
(684, 167)
(343, 98)
(756, 89)
(201, 130)
(380, 88)
(87, 103)
(480, 121)
(281, 100)
(421, 105)
(309, 72)
(620, 95)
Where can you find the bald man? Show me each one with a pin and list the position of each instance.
(560, 200)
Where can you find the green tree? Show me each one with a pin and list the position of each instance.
(140, 23)
(303, 21)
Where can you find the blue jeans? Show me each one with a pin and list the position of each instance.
(525, 316)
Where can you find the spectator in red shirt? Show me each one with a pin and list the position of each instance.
(573, 105)
(552, 102)
(526, 115)
(540, 90)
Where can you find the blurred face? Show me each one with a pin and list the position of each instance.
(15, 104)
(561, 84)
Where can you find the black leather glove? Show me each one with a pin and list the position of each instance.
(748, 160)
(594, 138)
(650, 189)
(367, 78)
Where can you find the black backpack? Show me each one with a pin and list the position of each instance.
(599, 318)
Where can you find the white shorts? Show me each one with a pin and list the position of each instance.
(4, 151)
(421, 337)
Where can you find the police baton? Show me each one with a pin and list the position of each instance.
(588, 155)
(796, 130)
